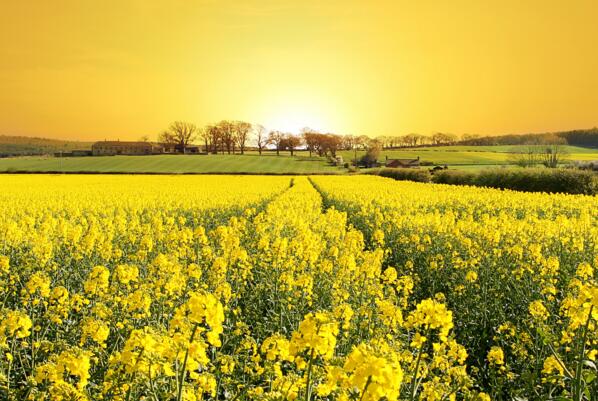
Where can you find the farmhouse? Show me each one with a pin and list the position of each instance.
(110, 148)
(403, 163)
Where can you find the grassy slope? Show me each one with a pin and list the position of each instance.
(173, 164)
(29, 145)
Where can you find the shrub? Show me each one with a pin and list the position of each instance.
(371, 157)
(454, 177)
(528, 180)
(403, 174)
(587, 165)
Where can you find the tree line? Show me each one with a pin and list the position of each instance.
(231, 137)
(228, 136)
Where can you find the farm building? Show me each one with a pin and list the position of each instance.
(110, 148)
(403, 163)
(173, 148)
(73, 153)
(82, 152)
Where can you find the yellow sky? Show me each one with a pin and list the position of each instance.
(88, 69)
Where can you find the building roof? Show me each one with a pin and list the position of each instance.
(402, 162)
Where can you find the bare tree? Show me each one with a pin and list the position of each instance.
(395, 141)
(440, 138)
(292, 142)
(382, 140)
(242, 130)
(549, 151)
(469, 137)
(261, 137)
(362, 141)
(214, 138)
(205, 133)
(526, 156)
(226, 130)
(144, 138)
(276, 138)
(349, 142)
(180, 133)
(554, 151)
(411, 139)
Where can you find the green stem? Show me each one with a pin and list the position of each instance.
(184, 367)
(238, 395)
(365, 388)
(582, 351)
(308, 386)
(567, 372)
(10, 366)
(414, 379)
(152, 387)
(133, 375)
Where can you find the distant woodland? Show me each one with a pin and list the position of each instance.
(583, 137)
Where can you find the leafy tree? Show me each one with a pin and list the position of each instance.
(311, 138)
(331, 143)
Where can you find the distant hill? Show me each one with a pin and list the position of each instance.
(25, 145)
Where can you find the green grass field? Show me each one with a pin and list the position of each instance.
(458, 157)
(471, 156)
(249, 164)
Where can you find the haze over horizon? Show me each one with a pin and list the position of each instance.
(88, 70)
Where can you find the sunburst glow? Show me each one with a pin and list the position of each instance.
(293, 119)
